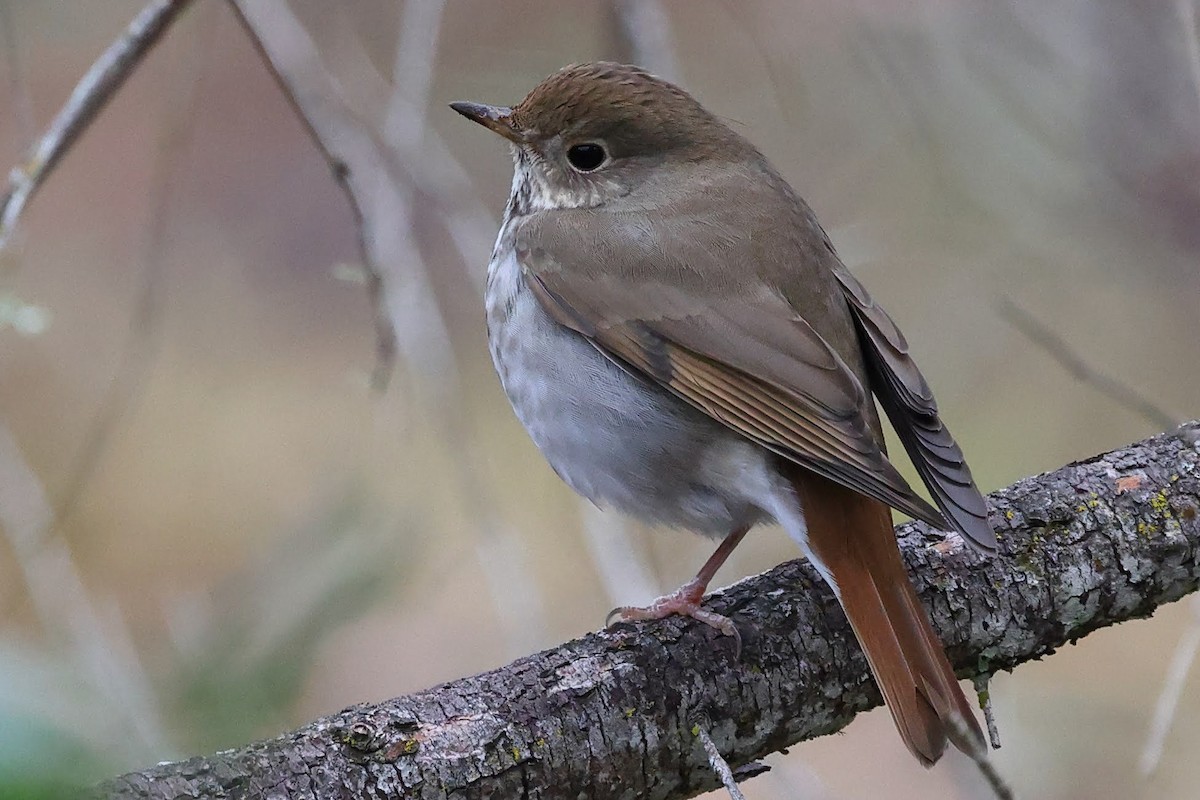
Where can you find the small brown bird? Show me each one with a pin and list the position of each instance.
(677, 334)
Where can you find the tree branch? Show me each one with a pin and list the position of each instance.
(92, 93)
(615, 713)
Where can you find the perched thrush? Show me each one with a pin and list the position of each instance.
(677, 334)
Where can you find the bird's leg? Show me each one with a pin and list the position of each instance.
(685, 600)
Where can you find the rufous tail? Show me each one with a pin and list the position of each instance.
(851, 537)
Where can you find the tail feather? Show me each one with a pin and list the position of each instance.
(850, 540)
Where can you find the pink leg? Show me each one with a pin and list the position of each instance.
(685, 600)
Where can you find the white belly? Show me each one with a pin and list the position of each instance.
(614, 438)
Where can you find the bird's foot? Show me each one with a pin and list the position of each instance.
(685, 602)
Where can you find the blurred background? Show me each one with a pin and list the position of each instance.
(213, 529)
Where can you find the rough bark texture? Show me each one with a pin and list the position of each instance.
(614, 714)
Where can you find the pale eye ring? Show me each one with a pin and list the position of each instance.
(586, 156)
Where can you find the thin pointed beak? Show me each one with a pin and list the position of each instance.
(494, 118)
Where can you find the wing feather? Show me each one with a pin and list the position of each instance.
(909, 403)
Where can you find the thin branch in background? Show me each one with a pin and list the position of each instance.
(404, 124)
(643, 33)
(350, 148)
(425, 171)
(719, 764)
(376, 177)
(26, 127)
(428, 164)
(501, 554)
(1133, 400)
(1172, 691)
(983, 762)
(412, 304)
(431, 168)
(91, 94)
(1058, 349)
(99, 642)
(995, 781)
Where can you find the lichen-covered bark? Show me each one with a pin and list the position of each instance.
(613, 715)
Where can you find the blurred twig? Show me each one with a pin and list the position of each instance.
(1122, 393)
(500, 553)
(609, 715)
(1133, 400)
(379, 173)
(347, 144)
(99, 641)
(91, 94)
(643, 36)
(983, 760)
(1172, 691)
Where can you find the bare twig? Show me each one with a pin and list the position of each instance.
(984, 692)
(719, 764)
(412, 73)
(501, 555)
(1172, 691)
(378, 172)
(392, 170)
(408, 293)
(96, 88)
(1122, 393)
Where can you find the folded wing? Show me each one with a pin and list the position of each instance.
(909, 404)
(749, 361)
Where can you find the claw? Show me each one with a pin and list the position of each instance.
(683, 602)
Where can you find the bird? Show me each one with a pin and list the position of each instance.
(682, 342)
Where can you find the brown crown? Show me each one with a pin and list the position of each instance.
(634, 112)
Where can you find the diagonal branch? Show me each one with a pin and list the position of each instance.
(92, 93)
(615, 713)
(1122, 393)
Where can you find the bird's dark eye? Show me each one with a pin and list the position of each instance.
(586, 157)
